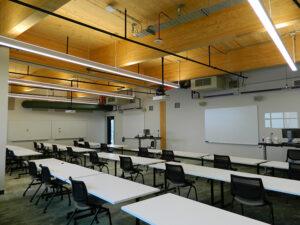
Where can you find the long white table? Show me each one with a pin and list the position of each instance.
(63, 170)
(136, 160)
(92, 144)
(241, 161)
(282, 185)
(22, 152)
(170, 209)
(275, 165)
(115, 189)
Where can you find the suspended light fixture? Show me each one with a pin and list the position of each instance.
(12, 43)
(50, 98)
(264, 18)
(66, 88)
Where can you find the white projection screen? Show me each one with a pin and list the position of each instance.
(237, 125)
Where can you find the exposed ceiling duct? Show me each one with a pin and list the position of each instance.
(190, 17)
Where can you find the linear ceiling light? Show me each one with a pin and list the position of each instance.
(12, 43)
(66, 88)
(264, 18)
(50, 98)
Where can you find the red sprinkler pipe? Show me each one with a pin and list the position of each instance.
(159, 22)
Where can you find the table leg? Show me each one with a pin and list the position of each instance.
(116, 173)
(264, 148)
(140, 142)
(165, 177)
(257, 168)
(222, 194)
(84, 160)
(212, 197)
(154, 177)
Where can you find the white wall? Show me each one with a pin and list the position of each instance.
(185, 126)
(95, 121)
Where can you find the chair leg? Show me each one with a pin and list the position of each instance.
(232, 204)
(97, 211)
(37, 190)
(107, 169)
(37, 201)
(272, 214)
(178, 188)
(195, 192)
(71, 217)
(189, 192)
(28, 188)
(109, 217)
(52, 196)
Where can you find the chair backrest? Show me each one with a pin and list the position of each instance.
(32, 169)
(175, 173)
(10, 154)
(294, 171)
(103, 147)
(79, 191)
(35, 145)
(247, 188)
(81, 139)
(94, 157)
(222, 162)
(54, 148)
(152, 144)
(87, 144)
(75, 143)
(70, 151)
(143, 152)
(46, 175)
(126, 163)
(293, 155)
(168, 155)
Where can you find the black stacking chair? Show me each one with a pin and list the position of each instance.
(168, 155)
(75, 143)
(175, 174)
(293, 155)
(249, 191)
(56, 153)
(56, 185)
(81, 139)
(84, 202)
(223, 162)
(294, 171)
(46, 152)
(36, 179)
(143, 152)
(73, 156)
(127, 167)
(12, 162)
(36, 146)
(87, 144)
(104, 148)
(97, 162)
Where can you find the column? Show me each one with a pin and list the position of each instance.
(4, 62)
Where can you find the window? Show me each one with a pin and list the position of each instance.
(281, 120)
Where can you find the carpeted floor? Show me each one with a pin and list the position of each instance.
(15, 209)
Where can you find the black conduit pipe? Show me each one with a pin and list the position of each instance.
(297, 3)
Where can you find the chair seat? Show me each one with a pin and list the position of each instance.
(245, 201)
(93, 202)
(56, 183)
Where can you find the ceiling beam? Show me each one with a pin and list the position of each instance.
(240, 20)
(243, 59)
(16, 19)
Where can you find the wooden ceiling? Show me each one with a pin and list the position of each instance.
(238, 40)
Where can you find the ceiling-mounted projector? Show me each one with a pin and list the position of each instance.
(160, 94)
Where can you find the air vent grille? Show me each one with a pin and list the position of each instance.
(297, 82)
(203, 82)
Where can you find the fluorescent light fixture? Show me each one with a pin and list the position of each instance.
(66, 88)
(12, 43)
(264, 18)
(50, 98)
(110, 9)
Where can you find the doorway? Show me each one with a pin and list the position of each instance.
(110, 130)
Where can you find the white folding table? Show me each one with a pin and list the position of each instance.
(275, 165)
(241, 161)
(92, 144)
(170, 209)
(22, 152)
(282, 185)
(136, 160)
(115, 146)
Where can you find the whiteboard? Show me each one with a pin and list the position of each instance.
(132, 123)
(28, 130)
(237, 125)
(69, 129)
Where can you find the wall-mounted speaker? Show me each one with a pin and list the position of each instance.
(258, 98)
(203, 104)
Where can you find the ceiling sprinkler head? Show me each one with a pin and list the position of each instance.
(158, 41)
(110, 9)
